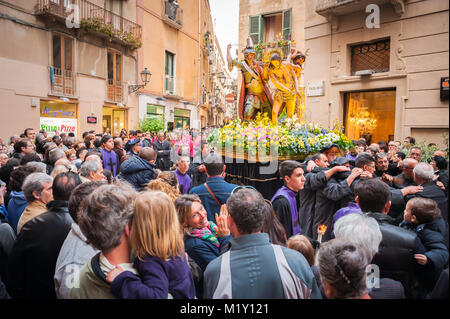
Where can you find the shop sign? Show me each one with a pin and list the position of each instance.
(58, 110)
(444, 88)
(92, 119)
(314, 88)
(58, 117)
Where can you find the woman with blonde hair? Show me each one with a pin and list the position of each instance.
(160, 185)
(157, 242)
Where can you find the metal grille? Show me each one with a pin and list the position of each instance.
(371, 56)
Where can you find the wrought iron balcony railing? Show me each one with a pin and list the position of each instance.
(61, 82)
(93, 17)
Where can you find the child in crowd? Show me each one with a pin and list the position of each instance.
(423, 216)
(157, 242)
(303, 245)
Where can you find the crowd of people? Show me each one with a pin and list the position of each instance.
(140, 215)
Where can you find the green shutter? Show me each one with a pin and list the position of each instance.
(256, 29)
(286, 24)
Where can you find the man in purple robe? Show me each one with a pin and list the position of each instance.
(110, 158)
(184, 180)
(285, 202)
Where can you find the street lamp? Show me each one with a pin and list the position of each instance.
(145, 78)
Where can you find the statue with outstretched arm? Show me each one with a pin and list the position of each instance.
(254, 96)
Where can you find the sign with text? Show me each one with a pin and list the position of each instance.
(60, 125)
(315, 88)
(444, 88)
(229, 98)
(58, 110)
(92, 119)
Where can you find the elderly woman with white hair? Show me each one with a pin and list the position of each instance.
(37, 189)
(364, 231)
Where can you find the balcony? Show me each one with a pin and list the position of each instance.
(93, 19)
(61, 82)
(172, 14)
(173, 87)
(114, 93)
(332, 9)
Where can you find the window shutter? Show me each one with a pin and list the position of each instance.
(286, 24)
(255, 29)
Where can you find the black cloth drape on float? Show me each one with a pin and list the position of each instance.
(240, 171)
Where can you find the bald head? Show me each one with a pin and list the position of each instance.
(439, 153)
(408, 166)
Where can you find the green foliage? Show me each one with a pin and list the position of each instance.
(97, 24)
(428, 149)
(151, 125)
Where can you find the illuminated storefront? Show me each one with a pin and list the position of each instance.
(114, 118)
(370, 114)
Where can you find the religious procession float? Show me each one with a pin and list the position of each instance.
(271, 126)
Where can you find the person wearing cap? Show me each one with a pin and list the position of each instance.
(135, 147)
(254, 96)
(335, 195)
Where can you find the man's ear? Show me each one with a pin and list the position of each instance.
(387, 207)
(91, 174)
(127, 230)
(357, 200)
(224, 167)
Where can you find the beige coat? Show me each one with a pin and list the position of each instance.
(35, 208)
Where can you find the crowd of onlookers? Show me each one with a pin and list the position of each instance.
(152, 215)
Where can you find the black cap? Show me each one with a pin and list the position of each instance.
(339, 161)
(133, 142)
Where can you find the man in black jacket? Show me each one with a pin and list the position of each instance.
(162, 149)
(395, 256)
(32, 262)
(317, 175)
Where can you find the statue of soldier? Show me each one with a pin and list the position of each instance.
(254, 96)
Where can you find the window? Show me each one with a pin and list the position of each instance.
(155, 112)
(61, 72)
(271, 27)
(169, 73)
(182, 118)
(371, 56)
(370, 114)
(114, 62)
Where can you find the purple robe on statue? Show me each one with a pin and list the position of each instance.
(184, 182)
(290, 195)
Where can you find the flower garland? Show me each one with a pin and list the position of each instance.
(289, 137)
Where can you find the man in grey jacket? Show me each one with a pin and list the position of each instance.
(254, 268)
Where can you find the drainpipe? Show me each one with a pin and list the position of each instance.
(199, 117)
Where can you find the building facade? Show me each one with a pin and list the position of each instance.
(377, 66)
(178, 47)
(66, 65)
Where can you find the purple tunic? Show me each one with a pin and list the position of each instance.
(290, 195)
(110, 161)
(184, 182)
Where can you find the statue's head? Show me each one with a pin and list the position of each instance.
(298, 58)
(275, 60)
(249, 51)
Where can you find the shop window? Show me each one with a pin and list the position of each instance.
(155, 112)
(371, 56)
(370, 114)
(114, 64)
(182, 118)
(61, 70)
